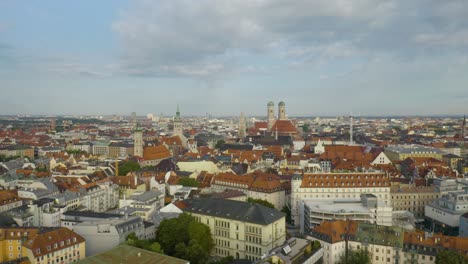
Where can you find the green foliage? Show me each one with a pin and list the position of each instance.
(359, 256)
(189, 182)
(225, 260)
(42, 169)
(219, 143)
(262, 202)
(4, 158)
(76, 152)
(128, 166)
(132, 240)
(306, 128)
(287, 211)
(451, 257)
(316, 245)
(185, 238)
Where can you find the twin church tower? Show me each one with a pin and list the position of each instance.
(271, 120)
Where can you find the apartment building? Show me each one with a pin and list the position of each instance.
(256, 185)
(41, 245)
(9, 199)
(444, 214)
(333, 186)
(413, 199)
(239, 229)
(386, 244)
(103, 235)
(366, 209)
(401, 152)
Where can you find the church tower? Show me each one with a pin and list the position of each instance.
(281, 111)
(241, 132)
(178, 123)
(463, 129)
(270, 114)
(138, 143)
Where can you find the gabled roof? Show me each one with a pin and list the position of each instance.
(284, 126)
(235, 210)
(156, 153)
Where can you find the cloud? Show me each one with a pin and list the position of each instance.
(203, 38)
(171, 36)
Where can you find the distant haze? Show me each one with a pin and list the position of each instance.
(323, 57)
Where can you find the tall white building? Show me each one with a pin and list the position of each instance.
(367, 209)
(178, 126)
(333, 186)
(138, 143)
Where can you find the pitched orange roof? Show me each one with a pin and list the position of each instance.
(261, 125)
(284, 126)
(344, 180)
(174, 140)
(156, 153)
(436, 240)
(44, 243)
(336, 231)
(231, 178)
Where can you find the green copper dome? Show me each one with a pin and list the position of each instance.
(281, 103)
(271, 103)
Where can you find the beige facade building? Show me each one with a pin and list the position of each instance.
(239, 229)
(256, 185)
(332, 186)
(385, 244)
(401, 152)
(413, 199)
(120, 150)
(41, 245)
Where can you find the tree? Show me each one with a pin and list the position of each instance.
(128, 166)
(360, 256)
(185, 238)
(225, 260)
(219, 143)
(132, 240)
(451, 257)
(4, 158)
(287, 211)
(260, 201)
(306, 128)
(189, 182)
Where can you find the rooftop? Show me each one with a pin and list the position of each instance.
(130, 255)
(235, 210)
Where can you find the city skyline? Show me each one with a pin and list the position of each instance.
(323, 58)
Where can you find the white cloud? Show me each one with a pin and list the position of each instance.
(173, 36)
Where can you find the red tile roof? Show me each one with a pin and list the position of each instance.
(156, 153)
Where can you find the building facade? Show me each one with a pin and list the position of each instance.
(332, 186)
(239, 229)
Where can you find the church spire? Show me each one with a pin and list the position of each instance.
(178, 112)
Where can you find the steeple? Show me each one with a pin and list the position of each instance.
(241, 132)
(270, 115)
(463, 127)
(178, 130)
(178, 112)
(282, 111)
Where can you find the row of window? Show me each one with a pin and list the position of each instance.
(253, 230)
(55, 245)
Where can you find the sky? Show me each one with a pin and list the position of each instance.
(224, 57)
